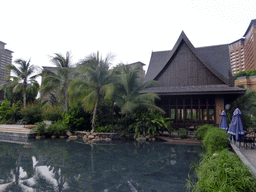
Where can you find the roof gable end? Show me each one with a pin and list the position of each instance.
(154, 71)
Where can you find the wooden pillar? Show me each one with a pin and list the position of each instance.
(219, 107)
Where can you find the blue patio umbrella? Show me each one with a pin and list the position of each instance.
(223, 122)
(236, 126)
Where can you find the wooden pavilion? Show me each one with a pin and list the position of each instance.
(194, 83)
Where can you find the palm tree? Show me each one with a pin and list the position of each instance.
(59, 80)
(22, 76)
(94, 82)
(127, 92)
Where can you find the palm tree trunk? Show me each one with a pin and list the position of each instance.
(66, 96)
(94, 115)
(24, 93)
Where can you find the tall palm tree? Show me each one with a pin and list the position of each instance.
(22, 76)
(59, 80)
(94, 82)
(127, 92)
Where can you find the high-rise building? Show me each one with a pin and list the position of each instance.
(5, 58)
(243, 51)
(250, 46)
(236, 52)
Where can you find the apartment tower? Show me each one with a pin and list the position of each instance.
(243, 51)
(5, 58)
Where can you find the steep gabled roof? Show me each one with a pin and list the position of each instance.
(215, 58)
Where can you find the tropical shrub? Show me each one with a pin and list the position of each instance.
(201, 131)
(10, 113)
(77, 119)
(52, 112)
(149, 123)
(32, 113)
(122, 126)
(223, 171)
(105, 129)
(240, 74)
(58, 128)
(40, 128)
(246, 103)
(215, 139)
(183, 133)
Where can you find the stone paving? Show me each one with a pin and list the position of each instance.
(15, 133)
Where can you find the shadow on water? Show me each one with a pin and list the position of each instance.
(63, 165)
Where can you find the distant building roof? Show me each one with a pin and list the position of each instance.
(253, 22)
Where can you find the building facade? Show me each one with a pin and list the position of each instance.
(243, 51)
(5, 58)
(236, 52)
(194, 84)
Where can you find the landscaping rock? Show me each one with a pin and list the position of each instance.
(68, 133)
(107, 139)
(72, 137)
(91, 137)
(30, 126)
(141, 139)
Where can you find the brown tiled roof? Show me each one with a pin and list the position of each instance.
(194, 90)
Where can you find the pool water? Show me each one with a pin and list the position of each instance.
(64, 165)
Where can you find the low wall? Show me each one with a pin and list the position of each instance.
(113, 136)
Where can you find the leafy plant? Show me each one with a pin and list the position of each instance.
(246, 103)
(77, 119)
(215, 139)
(183, 133)
(106, 129)
(201, 131)
(58, 128)
(40, 128)
(9, 113)
(52, 113)
(32, 113)
(223, 171)
(149, 123)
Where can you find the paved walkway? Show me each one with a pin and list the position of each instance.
(248, 156)
(179, 141)
(14, 129)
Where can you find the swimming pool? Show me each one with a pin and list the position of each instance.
(64, 165)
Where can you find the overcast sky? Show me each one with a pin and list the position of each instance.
(130, 29)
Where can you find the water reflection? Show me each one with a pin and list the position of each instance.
(59, 165)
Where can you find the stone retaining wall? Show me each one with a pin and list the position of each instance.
(112, 136)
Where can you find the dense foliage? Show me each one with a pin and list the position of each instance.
(215, 139)
(32, 113)
(201, 131)
(223, 171)
(246, 73)
(246, 103)
(77, 119)
(220, 169)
